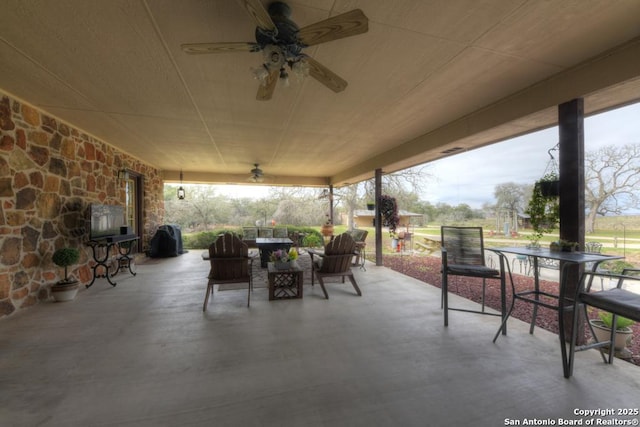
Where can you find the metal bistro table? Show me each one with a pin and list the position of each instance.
(267, 245)
(533, 295)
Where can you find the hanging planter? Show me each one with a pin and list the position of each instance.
(389, 211)
(549, 185)
(371, 206)
(544, 207)
(543, 210)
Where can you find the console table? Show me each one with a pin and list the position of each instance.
(101, 250)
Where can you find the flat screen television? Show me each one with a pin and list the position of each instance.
(106, 221)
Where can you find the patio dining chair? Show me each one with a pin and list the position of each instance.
(335, 261)
(230, 263)
(463, 254)
(281, 232)
(618, 301)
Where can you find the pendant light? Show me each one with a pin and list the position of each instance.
(181, 192)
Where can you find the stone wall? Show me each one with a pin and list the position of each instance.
(50, 172)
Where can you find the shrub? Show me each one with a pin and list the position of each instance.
(203, 239)
(616, 266)
(65, 257)
(312, 240)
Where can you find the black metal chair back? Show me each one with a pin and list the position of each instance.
(463, 255)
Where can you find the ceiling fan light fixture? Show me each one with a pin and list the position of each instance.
(274, 57)
(181, 193)
(282, 43)
(300, 69)
(284, 77)
(256, 174)
(261, 74)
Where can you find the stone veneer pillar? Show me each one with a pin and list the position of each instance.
(50, 172)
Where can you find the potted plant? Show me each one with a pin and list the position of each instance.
(543, 211)
(327, 227)
(389, 211)
(623, 334)
(282, 258)
(563, 246)
(67, 288)
(370, 205)
(549, 185)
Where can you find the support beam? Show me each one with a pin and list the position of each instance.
(331, 204)
(571, 151)
(571, 165)
(378, 216)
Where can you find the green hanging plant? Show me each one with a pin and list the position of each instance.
(543, 208)
(389, 211)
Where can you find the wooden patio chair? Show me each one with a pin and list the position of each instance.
(230, 263)
(334, 262)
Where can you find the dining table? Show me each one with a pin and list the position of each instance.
(559, 301)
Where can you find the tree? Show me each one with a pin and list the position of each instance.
(612, 180)
(403, 185)
(200, 209)
(510, 199)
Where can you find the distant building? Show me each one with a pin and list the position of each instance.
(364, 218)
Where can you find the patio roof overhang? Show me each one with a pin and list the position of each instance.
(428, 80)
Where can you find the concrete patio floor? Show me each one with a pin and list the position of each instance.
(144, 354)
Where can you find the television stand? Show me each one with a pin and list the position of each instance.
(101, 250)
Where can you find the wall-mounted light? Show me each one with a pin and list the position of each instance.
(181, 192)
(123, 175)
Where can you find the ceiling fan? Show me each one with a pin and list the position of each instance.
(282, 42)
(256, 174)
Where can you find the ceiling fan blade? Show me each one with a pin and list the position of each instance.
(338, 27)
(266, 91)
(325, 76)
(197, 48)
(259, 14)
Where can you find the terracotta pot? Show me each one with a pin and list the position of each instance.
(327, 230)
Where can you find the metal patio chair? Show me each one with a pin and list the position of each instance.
(463, 255)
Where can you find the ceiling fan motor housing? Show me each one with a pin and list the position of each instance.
(286, 37)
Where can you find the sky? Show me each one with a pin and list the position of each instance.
(471, 177)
